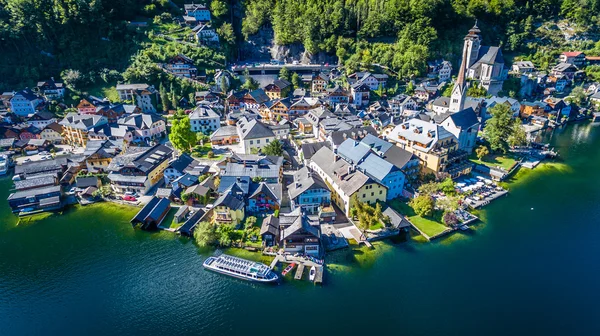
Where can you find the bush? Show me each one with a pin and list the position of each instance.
(450, 218)
(276, 214)
(423, 205)
(210, 154)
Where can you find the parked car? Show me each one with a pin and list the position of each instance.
(129, 198)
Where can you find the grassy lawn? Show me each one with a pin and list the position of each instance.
(506, 162)
(431, 226)
(100, 90)
(201, 152)
(377, 226)
(168, 220)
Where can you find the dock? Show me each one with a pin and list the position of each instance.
(319, 275)
(299, 272)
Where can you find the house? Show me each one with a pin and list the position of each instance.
(152, 214)
(204, 33)
(560, 82)
(337, 95)
(226, 135)
(204, 119)
(184, 164)
(427, 91)
(276, 109)
(281, 129)
(513, 104)
(304, 126)
(26, 132)
(523, 67)
(404, 160)
(301, 106)
(440, 69)
(254, 99)
(91, 104)
(264, 197)
(41, 119)
(373, 81)
(336, 138)
(359, 154)
(24, 102)
(254, 135)
(307, 150)
(222, 80)
(198, 11)
(330, 125)
(308, 191)
(360, 94)
(35, 145)
(87, 181)
(144, 127)
(181, 66)
(77, 126)
(345, 180)
(536, 108)
(53, 167)
(114, 112)
(36, 199)
(434, 145)
(99, 154)
(576, 58)
(316, 115)
(143, 95)
(464, 125)
(229, 207)
(269, 168)
(296, 232)
(138, 169)
(566, 69)
(51, 89)
(485, 64)
(319, 83)
(280, 88)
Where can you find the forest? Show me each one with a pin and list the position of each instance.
(42, 38)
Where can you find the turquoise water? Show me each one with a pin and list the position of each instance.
(522, 272)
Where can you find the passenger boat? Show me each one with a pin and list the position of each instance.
(312, 274)
(240, 268)
(288, 269)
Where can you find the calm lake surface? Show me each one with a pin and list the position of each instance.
(532, 267)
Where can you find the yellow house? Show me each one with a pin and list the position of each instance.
(229, 207)
(344, 180)
(431, 143)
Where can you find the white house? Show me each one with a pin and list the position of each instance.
(205, 33)
(197, 11)
(144, 127)
(24, 102)
(204, 119)
(144, 95)
(254, 135)
(464, 125)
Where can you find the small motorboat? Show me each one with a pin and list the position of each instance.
(288, 269)
(312, 274)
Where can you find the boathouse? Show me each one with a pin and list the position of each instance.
(152, 214)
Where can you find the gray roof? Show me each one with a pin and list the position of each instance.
(41, 181)
(243, 183)
(396, 220)
(304, 180)
(33, 192)
(338, 170)
(378, 145)
(40, 166)
(139, 120)
(142, 158)
(203, 112)
(182, 162)
(353, 151)
(376, 167)
(398, 156)
(300, 223)
(84, 182)
(272, 189)
(270, 225)
(253, 129)
(228, 199)
(309, 149)
(338, 137)
(224, 131)
(490, 55)
(465, 118)
(83, 121)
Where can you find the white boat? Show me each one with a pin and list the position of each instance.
(240, 268)
(312, 273)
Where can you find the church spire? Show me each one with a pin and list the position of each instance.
(459, 92)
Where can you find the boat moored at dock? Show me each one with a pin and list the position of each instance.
(240, 268)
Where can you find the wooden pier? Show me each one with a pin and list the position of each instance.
(319, 275)
(299, 272)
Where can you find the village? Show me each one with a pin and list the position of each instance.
(300, 159)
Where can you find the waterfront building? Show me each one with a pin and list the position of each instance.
(36, 199)
(229, 207)
(308, 191)
(138, 169)
(296, 232)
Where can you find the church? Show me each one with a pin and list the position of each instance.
(483, 64)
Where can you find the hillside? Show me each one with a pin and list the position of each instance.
(43, 38)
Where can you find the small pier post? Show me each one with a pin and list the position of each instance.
(319, 275)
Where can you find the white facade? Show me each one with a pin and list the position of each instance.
(204, 119)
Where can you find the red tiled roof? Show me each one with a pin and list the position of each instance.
(572, 53)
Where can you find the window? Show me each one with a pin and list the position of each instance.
(251, 142)
(257, 142)
(372, 194)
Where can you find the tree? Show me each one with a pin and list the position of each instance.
(258, 179)
(249, 82)
(450, 218)
(499, 127)
(447, 186)
(284, 73)
(72, 78)
(423, 205)
(210, 154)
(218, 8)
(578, 95)
(225, 232)
(250, 222)
(274, 148)
(448, 203)
(481, 152)
(476, 91)
(182, 137)
(429, 188)
(518, 137)
(164, 98)
(205, 234)
(296, 80)
(410, 88)
(378, 214)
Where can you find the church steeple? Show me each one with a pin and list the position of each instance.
(459, 92)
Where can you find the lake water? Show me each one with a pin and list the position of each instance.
(532, 267)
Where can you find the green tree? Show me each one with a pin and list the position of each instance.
(423, 205)
(218, 8)
(274, 148)
(476, 90)
(499, 127)
(447, 186)
(481, 152)
(164, 98)
(285, 73)
(296, 80)
(249, 82)
(225, 232)
(429, 188)
(205, 234)
(181, 136)
(518, 136)
(250, 222)
(578, 95)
